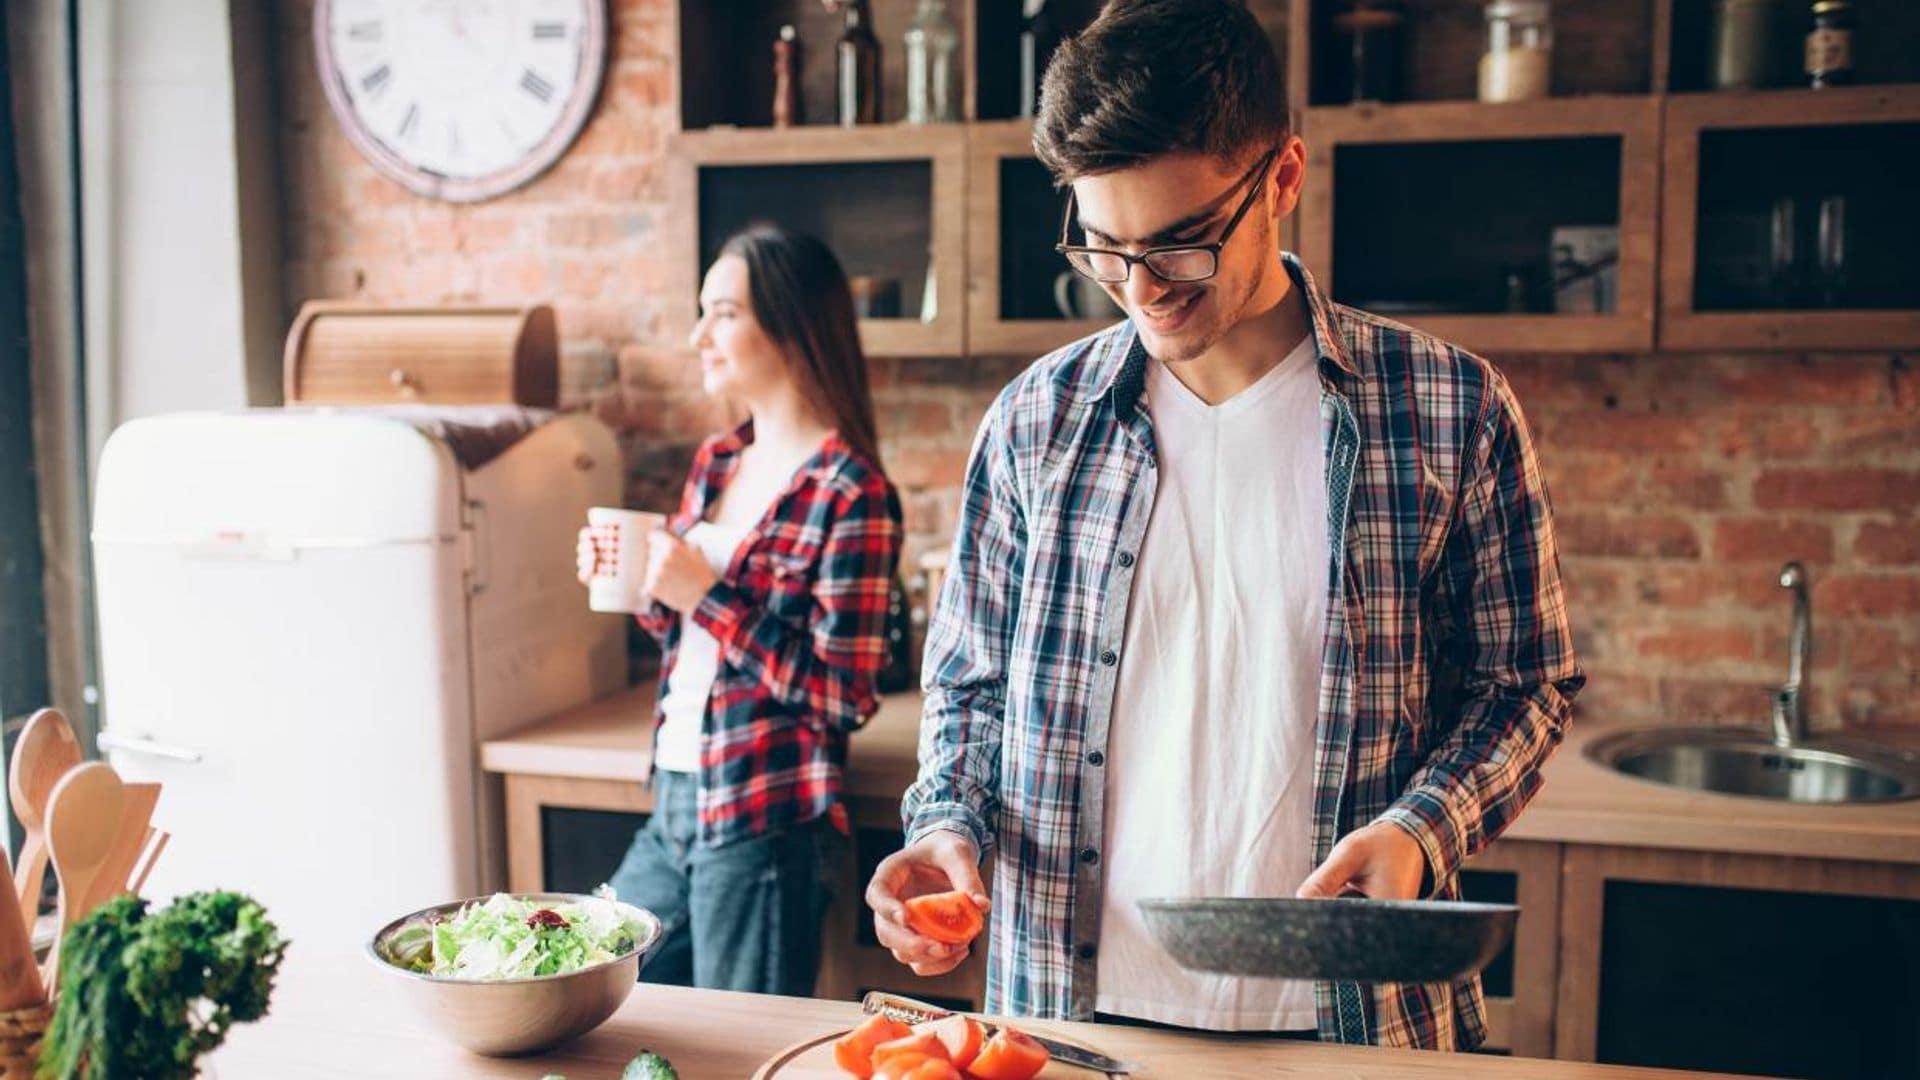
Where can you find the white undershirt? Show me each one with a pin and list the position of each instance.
(1210, 756)
(676, 745)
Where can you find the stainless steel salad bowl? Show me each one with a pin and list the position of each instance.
(501, 1017)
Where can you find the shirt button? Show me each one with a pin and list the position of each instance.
(1109, 657)
(1096, 758)
(1126, 559)
(1084, 952)
(1089, 856)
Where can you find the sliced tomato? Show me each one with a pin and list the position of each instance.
(961, 1035)
(854, 1050)
(914, 1042)
(933, 1069)
(1009, 1055)
(950, 918)
(901, 1066)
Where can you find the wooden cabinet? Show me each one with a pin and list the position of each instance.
(1784, 965)
(890, 201)
(1819, 178)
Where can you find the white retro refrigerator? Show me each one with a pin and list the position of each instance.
(311, 618)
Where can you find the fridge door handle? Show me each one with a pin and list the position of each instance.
(477, 554)
(143, 745)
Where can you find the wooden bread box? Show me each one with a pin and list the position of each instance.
(341, 353)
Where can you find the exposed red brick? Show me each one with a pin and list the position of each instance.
(1641, 536)
(1837, 489)
(1699, 644)
(927, 468)
(1867, 595)
(1844, 380)
(1772, 540)
(1888, 544)
(1627, 433)
(1877, 432)
(1590, 480)
(1768, 435)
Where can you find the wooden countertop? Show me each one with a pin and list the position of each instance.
(335, 1015)
(1582, 802)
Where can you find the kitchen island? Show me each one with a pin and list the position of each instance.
(334, 1016)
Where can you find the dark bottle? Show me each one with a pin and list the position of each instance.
(1039, 36)
(787, 109)
(857, 66)
(1368, 64)
(1830, 44)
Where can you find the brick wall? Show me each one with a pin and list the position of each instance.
(1681, 481)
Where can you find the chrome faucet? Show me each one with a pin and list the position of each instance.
(1789, 702)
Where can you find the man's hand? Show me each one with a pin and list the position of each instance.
(1381, 860)
(941, 861)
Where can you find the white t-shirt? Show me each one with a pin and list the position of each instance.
(676, 745)
(1210, 756)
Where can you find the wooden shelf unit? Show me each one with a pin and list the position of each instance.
(1688, 118)
(939, 149)
(989, 331)
(1632, 119)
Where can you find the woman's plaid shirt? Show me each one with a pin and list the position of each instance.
(801, 618)
(1447, 669)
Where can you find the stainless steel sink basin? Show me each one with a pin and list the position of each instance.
(1737, 762)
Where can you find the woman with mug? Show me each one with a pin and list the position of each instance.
(768, 593)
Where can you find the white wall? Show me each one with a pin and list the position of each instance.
(167, 184)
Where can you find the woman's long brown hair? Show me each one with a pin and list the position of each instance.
(800, 297)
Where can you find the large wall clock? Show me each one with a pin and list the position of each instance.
(461, 99)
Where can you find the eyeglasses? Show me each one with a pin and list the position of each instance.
(1174, 262)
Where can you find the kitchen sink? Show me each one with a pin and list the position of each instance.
(1731, 761)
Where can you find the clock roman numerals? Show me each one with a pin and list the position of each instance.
(371, 30)
(376, 80)
(533, 84)
(549, 31)
(408, 122)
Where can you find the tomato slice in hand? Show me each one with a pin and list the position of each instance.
(961, 1035)
(1009, 1055)
(854, 1050)
(950, 918)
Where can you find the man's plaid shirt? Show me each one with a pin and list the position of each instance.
(1447, 670)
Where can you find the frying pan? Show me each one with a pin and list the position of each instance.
(1350, 939)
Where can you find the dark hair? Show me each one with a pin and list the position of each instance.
(800, 297)
(1151, 77)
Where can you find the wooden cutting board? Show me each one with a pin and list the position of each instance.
(813, 1060)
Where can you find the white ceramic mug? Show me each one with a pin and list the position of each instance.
(619, 539)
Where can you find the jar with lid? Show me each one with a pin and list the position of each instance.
(1830, 44)
(1518, 60)
(1743, 44)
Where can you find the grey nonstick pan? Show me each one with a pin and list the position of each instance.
(1351, 939)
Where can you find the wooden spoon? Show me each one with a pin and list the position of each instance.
(83, 815)
(20, 984)
(46, 751)
(129, 839)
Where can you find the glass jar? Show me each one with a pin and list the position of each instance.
(857, 66)
(1742, 53)
(1518, 60)
(933, 76)
(1830, 44)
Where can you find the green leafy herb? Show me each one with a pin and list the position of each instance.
(146, 994)
(649, 1066)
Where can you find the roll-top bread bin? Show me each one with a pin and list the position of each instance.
(356, 354)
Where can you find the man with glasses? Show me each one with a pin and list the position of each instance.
(1252, 595)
